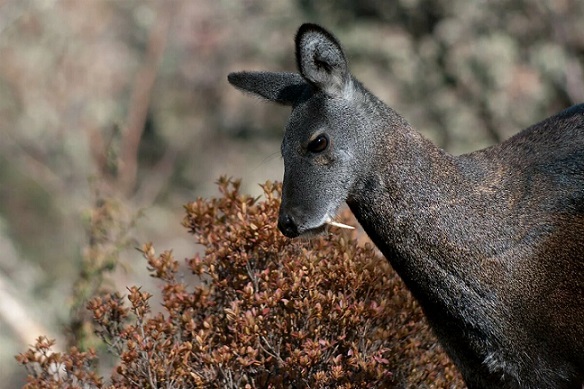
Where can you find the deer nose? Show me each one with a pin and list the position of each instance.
(287, 225)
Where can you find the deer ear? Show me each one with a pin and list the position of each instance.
(321, 60)
(283, 88)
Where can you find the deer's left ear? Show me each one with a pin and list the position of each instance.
(321, 60)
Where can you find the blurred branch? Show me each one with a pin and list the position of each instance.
(37, 170)
(140, 100)
(104, 148)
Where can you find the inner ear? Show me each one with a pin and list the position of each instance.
(321, 60)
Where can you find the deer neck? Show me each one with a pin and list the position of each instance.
(413, 202)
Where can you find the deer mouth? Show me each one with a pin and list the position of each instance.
(323, 228)
(292, 229)
(314, 231)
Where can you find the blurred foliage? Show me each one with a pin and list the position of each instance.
(109, 231)
(133, 94)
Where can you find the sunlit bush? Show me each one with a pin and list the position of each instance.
(266, 312)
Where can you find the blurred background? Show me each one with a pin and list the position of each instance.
(113, 114)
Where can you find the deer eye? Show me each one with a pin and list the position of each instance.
(318, 144)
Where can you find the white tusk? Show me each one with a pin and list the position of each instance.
(340, 225)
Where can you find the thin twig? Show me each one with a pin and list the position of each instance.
(140, 100)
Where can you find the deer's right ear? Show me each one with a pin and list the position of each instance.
(283, 88)
(321, 60)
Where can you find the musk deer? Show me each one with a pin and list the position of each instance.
(490, 243)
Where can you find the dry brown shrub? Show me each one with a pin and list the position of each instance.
(267, 312)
